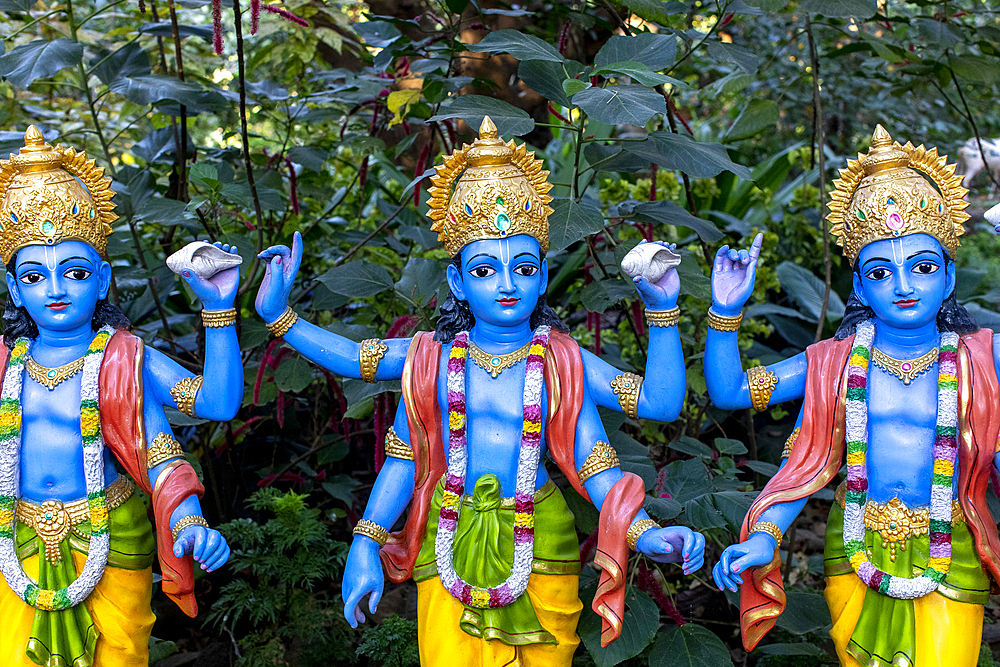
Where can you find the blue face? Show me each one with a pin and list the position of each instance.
(904, 280)
(59, 285)
(501, 279)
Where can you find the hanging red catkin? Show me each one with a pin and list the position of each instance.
(285, 14)
(293, 186)
(217, 26)
(652, 188)
(363, 176)
(254, 16)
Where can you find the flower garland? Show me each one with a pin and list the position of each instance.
(524, 492)
(93, 469)
(945, 446)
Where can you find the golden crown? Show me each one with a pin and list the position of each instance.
(884, 195)
(48, 195)
(503, 191)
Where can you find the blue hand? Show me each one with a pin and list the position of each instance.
(362, 576)
(757, 551)
(663, 294)
(206, 545)
(219, 291)
(282, 267)
(674, 544)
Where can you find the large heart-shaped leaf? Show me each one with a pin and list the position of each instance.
(642, 618)
(743, 58)
(615, 105)
(546, 77)
(571, 221)
(861, 9)
(519, 45)
(357, 279)
(757, 116)
(39, 60)
(807, 291)
(679, 151)
(153, 88)
(667, 212)
(130, 60)
(639, 73)
(473, 108)
(689, 645)
(656, 51)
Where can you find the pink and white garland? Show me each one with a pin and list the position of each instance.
(524, 492)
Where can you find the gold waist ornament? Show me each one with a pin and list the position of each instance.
(896, 522)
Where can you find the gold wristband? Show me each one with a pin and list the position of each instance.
(184, 393)
(636, 530)
(761, 382)
(216, 319)
(769, 528)
(395, 447)
(372, 530)
(602, 457)
(790, 443)
(627, 387)
(372, 351)
(162, 449)
(285, 321)
(663, 318)
(723, 323)
(191, 520)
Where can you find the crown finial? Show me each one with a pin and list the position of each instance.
(488, 129)
(880, 138)
(884, 154)
(33, 140)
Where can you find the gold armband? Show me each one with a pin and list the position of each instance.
(184, 393)
(626, 387)
(162, 449)
(216, 319)
(636, 530)
(372, 530)
(395, 447)
(769, 528)
(787, 451)
(285, 321)
(723, 323)
(663, 318)
(602, 457)
(761, 382)
(191, 520)
(372, 351)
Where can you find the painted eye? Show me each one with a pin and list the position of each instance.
(526, 270)
(926, 268)
(77, 274)
(483, 271)
(32, 278)
(878, 273)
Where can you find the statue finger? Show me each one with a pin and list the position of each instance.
(758, 241)
(351, 611)
(720, 259)
(296, 251)
(716, 576)
(374, 599)
(694, 565)
(221, 558)
(183, 544)
(200, 542)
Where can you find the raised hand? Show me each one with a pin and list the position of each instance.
(362, 576)
(757, 551)
(219, 291)
(206, 545)
(674, 544)
(279, 276)
(661, 295)
(733, 276)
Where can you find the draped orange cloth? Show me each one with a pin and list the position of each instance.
(819, 452)
(564, 383)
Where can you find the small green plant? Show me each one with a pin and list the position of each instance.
(391, 643)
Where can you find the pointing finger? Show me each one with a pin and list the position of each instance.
(755, 248)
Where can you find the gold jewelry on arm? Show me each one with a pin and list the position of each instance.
(372, 530)
(761, 382)
(395, 447)
(769, 528)
(790, 443)
(626, 387)
(602, 457)
(372, 351)
(663, 318)
(636, 530)
(722, 322)
(191, 520)
(285, 321)
(217, 319)
(184, 393)
(162, 449)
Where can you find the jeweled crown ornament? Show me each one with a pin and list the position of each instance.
(52, 194)
(885, 195)
(502, 191)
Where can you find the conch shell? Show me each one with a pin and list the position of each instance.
(203, 259)
(650, 260)
(993, 216)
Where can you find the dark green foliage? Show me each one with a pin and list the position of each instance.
(391, 643)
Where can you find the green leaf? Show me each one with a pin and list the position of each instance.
(357, 279)
(378, 34)
(642, 618)
(744, 59)
(457, 6)
(359, 394)
(757, 116)
(309, 157)
(571, 221)
(805, 612)
(293, 375)
(679, 151)
(154, 88)
(937, 33)
(615, 105)
(663, 509)
(573, 86)
(686, 480)
(39, 60)
(17, 6)
(807, 291)
(669, 213)
(861, 9)
(639, 73)
(689, 645)
(603, 157)
(656, 51)
(981, 69)
(472, 108)
(163, 211)
(769, 6)
(600, 295)
(342, 488)
(730, 447)
(800, 648)
(547, 78)
(517, 44)
(693, 281)
(762, 467)
(691, 446)
(733, 506)
(166, 29)
(656, 11)
(420, 281)
(130, 60)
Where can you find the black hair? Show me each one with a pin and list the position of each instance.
(456, 315)
(17, 322)
(951, 317)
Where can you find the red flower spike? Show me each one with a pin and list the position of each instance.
(285, 14)
(217, 26)
(254, 16)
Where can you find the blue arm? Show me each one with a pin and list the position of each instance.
(341, 355)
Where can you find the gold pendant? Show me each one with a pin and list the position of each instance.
(905, 370)
(50, 378)
(494, 364)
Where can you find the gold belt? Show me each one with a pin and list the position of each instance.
(53, 519)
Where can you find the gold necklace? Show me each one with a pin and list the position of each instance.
(494, 364)
(50, 378)
(905, 370)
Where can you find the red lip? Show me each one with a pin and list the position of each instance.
(906, 303)
(507, 303)
(58, 305)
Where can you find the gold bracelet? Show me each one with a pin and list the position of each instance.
(162, 449)
(636, 530)
(627, 387)
(216, 319)
(372, 351)
(723, 323)
(285, 321)
(790, 443)
(761, 382)
(190, 520)
(602, 457)
(395, 447)
(372, 530)
(663, 318)
(184, 393)
(769, 528)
